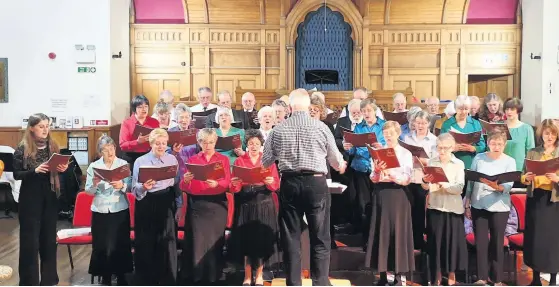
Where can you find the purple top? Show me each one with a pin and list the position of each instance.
(184, 154)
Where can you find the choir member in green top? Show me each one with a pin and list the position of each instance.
(462, 122)
(522, 133)
(225, 116)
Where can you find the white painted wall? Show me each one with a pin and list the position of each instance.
(31, 29)
(540, 37)
(120, 68)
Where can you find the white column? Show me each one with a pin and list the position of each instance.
(540, 77)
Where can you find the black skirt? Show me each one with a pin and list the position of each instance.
(202, 258)
(156, 239)
(111, 249)
(446, 242)
(256, 231)
(541, 237)
(390, 245)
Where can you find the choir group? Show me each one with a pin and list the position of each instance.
(393, 197)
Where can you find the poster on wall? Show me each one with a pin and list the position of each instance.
(3, 80)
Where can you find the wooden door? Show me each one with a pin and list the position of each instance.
(151, 85)
(481, 85)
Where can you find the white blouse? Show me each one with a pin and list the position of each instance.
(429, 144)
(402, 173)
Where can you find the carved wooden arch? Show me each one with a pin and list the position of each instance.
(346, 7)
(297, 15)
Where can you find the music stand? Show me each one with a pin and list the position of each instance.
(322, 77)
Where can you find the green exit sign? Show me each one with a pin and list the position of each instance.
(87, 70)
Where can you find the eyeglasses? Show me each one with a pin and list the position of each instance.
(444, 148)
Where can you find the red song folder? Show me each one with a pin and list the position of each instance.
(141, 130)
(204, 172)
(360, 140)
(186, 138)
(157, 173)
(388, 155)
(228, 143)
(415, 150)
(541, 167)
(57, 159)
(488, 127)
(116, 174)
(251, 175)
(469, 138)
(502, 177)
(401, 118)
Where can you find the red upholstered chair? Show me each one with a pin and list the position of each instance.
(517, 240)
(82, 218)
(180, 233)
(131, 207)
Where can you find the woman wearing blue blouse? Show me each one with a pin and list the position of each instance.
(361, 163)
(110, 224)
(463, 123)
(488, 205)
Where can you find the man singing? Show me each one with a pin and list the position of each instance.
(301, 144)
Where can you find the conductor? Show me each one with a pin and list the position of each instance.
(300, 144)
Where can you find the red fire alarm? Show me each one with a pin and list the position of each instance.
(52, 56)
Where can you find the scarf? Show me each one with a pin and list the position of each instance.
(54, 178)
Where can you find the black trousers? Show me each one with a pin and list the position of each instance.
(489, 249)
(38, 213)
(364, 190)
(305, 195)
(419, 196)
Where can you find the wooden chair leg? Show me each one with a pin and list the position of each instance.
(70, 255)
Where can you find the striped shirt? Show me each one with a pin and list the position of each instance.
(301, 143)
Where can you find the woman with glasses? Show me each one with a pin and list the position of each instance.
(421, 137)
(488, 205)
(446, 240)
(110, 223)
(462, 122)
(134, 147)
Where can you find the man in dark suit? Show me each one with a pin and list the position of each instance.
(249, 108)
(348, 122)
(224, 100)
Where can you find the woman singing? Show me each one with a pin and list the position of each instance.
(422, 137)
(110, 225)
(257, 225)
(492, 109)
(446, 239)
(155, 227)
(38, 203)
(266, 118)
(490, 207)
(225, 116)
(541, 237)
(131, 146)
(390, 237)
(209, 213)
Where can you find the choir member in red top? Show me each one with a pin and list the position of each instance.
(209, 216)
(136, 147)
(255, 234)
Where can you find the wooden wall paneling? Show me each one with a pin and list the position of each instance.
(465, 11)
(376, 11)
(416, 11)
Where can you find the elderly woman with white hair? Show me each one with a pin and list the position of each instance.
(446, 238)
(225, 117)
(110, 223)
(209, 213)
(266, 118)
(154, 218)
(409, 127)
(462, 122)
(183, 117)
